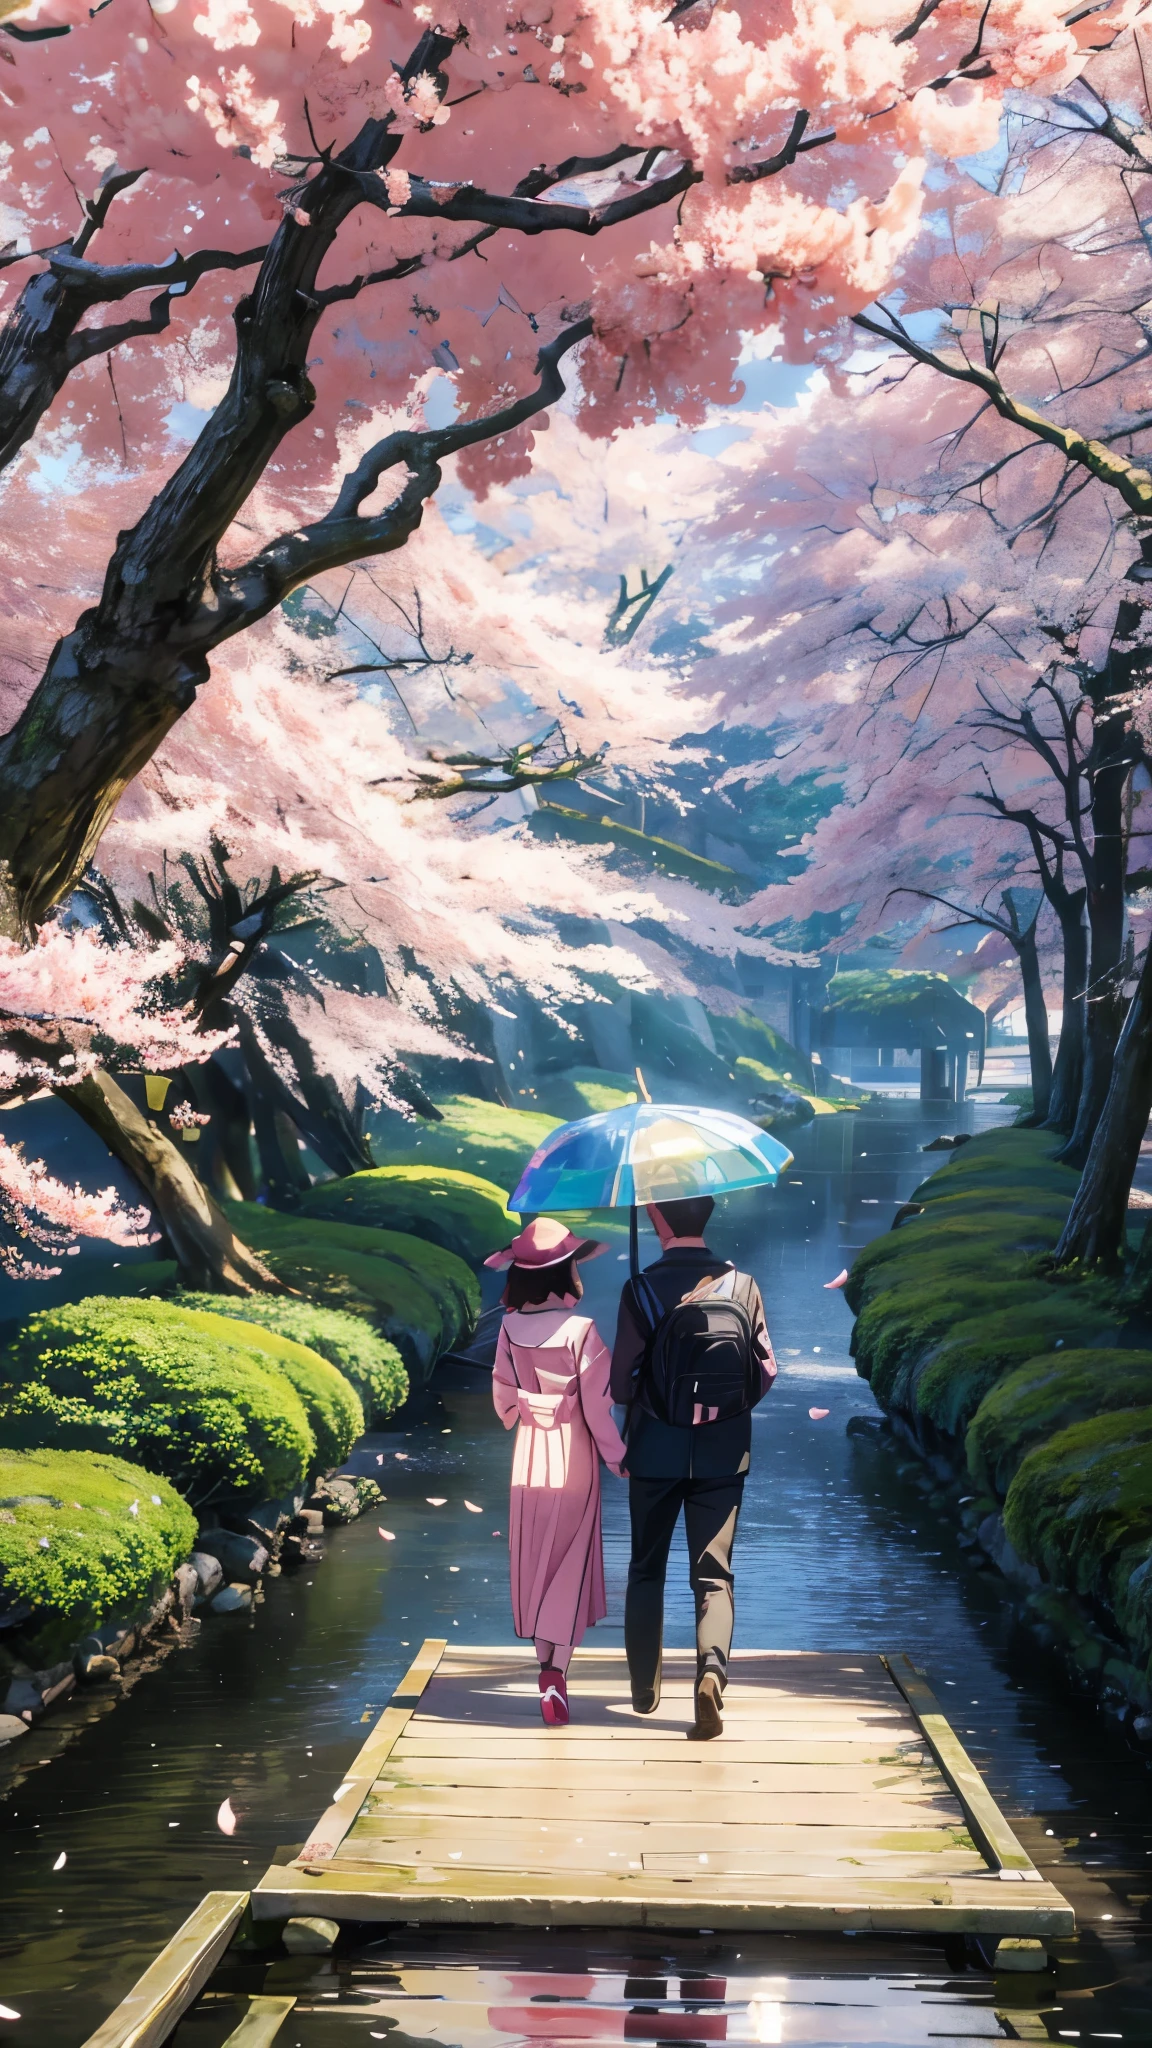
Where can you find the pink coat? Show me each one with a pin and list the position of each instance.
(550, 1383)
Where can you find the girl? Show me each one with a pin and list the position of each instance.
(550, 1382)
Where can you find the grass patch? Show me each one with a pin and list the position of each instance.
(481, 1138)
(87, 1536)
(371, 1364)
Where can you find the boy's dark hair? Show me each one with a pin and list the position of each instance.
(528, 1286)
(689, 1217)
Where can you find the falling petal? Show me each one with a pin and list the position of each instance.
(434, 1501)
(838, 1281)
(61, 1860)
(453, 1567)
(8, 2012)
(472, 1508)
(379, 1457)
(44, 1543)
(818, 1414)
(402, 1455)
(134, 1507)
(345, 1787)
(389, 1535)
(454, 1855)
(225, 1818)
(156, 1500)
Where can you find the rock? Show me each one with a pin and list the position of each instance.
(11, 1726)
(232, 1599)
(906, 1212)
(209, 1573)
(241, 1557)
(310, 1522)
(1015, 1953)
(185, 1586)
(96, 1668)
(1142, 1727)
(311, 1937)
(342, 1504)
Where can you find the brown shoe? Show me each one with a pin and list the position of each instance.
(709, 1709)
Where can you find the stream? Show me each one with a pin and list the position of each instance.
(836, 1551)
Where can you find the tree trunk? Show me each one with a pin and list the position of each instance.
(1036, 1018)
(1106, 908)
(207, 1251)
(1068, 1073)
(1094, 1232)
(285, 1176)
(225, 1153)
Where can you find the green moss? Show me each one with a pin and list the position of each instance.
(584, 1091)
(745, 1036)
(1046, 1395)
(86, 1536)
(481, 1138)
(461, 1212)
(132, 1377)
(332, 1406)
(367, 1360)
(1080, 1508)
(982, 1349)
(422, 1297)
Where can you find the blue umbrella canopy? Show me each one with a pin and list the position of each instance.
(647, 1152)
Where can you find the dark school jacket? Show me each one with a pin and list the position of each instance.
(663, 1450)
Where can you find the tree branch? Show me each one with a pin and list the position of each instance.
(1133, 483)
(242, 595)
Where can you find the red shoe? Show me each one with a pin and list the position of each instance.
(553, 1697)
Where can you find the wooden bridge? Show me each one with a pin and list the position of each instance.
(838, 1797)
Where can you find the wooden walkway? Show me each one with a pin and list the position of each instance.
(838, 1797)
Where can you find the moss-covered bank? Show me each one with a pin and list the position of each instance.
(1027, 1389)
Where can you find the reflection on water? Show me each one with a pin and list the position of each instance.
(837, 1550)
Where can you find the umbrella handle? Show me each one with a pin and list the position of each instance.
(634, 1242)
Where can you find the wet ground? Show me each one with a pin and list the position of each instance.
(836, 1551)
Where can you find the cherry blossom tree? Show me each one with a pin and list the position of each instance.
(71, 1010)
(418, 215)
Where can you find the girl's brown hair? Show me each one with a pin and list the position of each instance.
(528, 1286)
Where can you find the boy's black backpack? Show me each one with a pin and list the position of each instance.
(702, 1363)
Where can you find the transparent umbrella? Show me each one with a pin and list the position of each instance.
(647, 1152)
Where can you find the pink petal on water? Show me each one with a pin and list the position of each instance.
(61, 1860)
(8, 2012)
(402, 1455)
(838, 1281)
(472, 1508)
(225, 1818)
(435, 1500)
(389, 1535)
(379, 1457)
(818, 1414)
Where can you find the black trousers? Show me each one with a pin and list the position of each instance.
(711, 1508)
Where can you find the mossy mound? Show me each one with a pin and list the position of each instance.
(1045, 1396)
(744, 1036)
(980, 1351)
(1080, 1506)
(368, 1361)
(584, 1091)
(332, 1405)
(422, 1297)
(86, 1536)
(135, 1378)
(459, 1211)
(476, 1137)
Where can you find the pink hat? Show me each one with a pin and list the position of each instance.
(545, 1242)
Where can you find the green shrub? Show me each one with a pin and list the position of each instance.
(745, 1036)
(458, 1211)
(584, 1091)
(1047, 1395)
(422, 1297)
(134, 1377)
(476, 1137)
(368, 1361)
(86, 1536)
(332, 1406)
